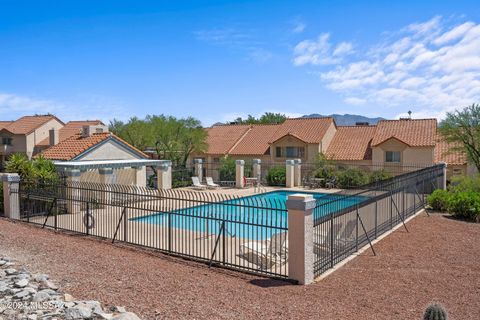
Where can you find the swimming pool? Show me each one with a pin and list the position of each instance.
(255, 217)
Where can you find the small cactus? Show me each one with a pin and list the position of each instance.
(435, 312)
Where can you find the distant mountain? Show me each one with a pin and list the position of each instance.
(346, 119)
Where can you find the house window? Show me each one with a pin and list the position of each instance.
(392, 156)
(216, 160)
(7, 141)
(457, 171)
(278, 152)
(295, 152)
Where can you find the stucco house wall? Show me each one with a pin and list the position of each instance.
(327, 138)
(408, 155)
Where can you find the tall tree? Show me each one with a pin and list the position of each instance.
(173, 139)
(266, 118)
(463, 128)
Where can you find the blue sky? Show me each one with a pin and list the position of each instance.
(216, 60)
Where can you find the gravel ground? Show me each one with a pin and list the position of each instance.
(438, 261)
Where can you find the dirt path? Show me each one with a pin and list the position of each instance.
(439, 260)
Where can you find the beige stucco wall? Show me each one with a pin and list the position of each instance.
(109, 151)
(408, 155)
(125, 176)
(311, 150)
(327, 138)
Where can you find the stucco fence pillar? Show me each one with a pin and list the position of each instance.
(257, 169)
(140, 176)
(11, 197)
(290, 173)
(164, 175)
(73, 191)
(297, 172)
(106, 179)
(300, 238)
(198, 163)
(239, 173)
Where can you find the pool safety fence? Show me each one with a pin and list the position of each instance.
(252, 233)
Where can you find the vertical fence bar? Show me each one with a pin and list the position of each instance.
(125, 225)
(331, 240)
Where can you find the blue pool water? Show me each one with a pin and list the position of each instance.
(255, 217)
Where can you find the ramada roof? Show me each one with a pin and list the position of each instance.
(351, 143)
(76, 145)
(71, 128)
(413, 132)
(27, 124)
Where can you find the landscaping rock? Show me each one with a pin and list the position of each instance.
(10, 271)
(21, 284)
(126, 316)
(78, 312)
(41, 296)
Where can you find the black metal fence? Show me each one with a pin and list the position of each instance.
(345, 224)
(247, 233)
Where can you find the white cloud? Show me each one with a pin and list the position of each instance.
(299, 27)
(429, 67)
(355, 101)
(319, 51)
(13, 106)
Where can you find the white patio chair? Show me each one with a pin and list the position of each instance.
(266, 253)
(197, 184)
(211, 184)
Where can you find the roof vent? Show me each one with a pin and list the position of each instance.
(361, 123)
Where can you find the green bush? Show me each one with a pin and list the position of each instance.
(438, 200)
(227, 169)
(351, 178)
(276, 176)
(463, 183)
(379, 175)
(465, 204)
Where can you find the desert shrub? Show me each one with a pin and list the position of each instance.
(379, 175)
(438, 200)
(227, 169)
(351, 177)
(464, 183)
(276, 176)
(181, 177)
(465, 204)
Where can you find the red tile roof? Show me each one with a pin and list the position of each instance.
(76, 144)
(309, 130)
(3, 124)
(71, 128)
(445, 152)
(28, 124)
(255, 141)
(351, 143)
(222, 138)
(414, 133)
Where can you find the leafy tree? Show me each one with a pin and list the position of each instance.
(463, 128)
(173, 139)
(267, 118)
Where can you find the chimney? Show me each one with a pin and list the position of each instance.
(53, 136)
(88, 131)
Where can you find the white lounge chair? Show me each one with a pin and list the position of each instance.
(211, 184)
(197, 184)
(266, 253)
